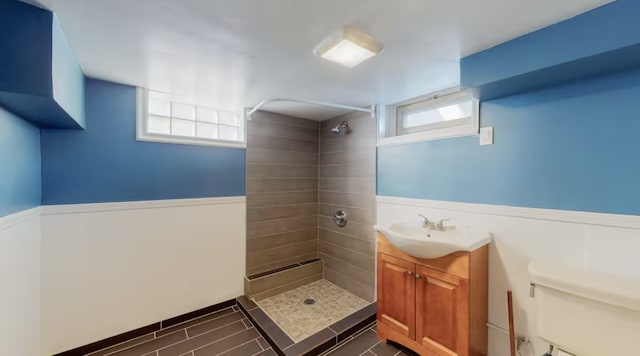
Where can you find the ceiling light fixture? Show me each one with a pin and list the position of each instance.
(348, 47)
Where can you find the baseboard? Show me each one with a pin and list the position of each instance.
(157, 326)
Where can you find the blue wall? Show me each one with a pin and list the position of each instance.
(105, 163)
(40, 79)
(67, 77)
(597, 42)
(573, 147)
(19, 164)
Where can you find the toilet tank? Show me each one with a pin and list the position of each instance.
(586, 313)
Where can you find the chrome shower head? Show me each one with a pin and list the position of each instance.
(340, 126)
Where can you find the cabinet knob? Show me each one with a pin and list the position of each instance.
(418, 276)
(410, 273)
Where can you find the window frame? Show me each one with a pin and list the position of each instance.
(391, 130)
(142, 133)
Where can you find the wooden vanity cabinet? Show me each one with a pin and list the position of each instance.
(435, 307)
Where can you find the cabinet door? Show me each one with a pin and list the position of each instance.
(442, 312)
(396, 294)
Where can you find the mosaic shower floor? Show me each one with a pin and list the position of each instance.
(300, 320)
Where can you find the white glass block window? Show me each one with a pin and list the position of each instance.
(446, 114)
(162, 119)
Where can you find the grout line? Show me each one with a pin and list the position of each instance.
(218, 340)
(285, 205)
(349, 235)
(259, 343)
(175, 343)
(263, 350)
(281, 233)
(123, 342)
(297, 217)
(280, 205)
(210, 330)
(344, 248)
(237, 346)
(282, 246)
(202, 322)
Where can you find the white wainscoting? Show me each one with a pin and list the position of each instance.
(109, 268)
(20, 283)
(600, 242)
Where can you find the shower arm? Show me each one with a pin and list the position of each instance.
(371, 110)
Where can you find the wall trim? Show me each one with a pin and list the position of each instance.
(18, 218)
(580, 217)
(136, 205)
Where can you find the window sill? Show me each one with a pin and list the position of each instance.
(189, 141)
(430, 135)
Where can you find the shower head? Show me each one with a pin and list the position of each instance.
(340, 126)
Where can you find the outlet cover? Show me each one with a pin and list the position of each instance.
(486, 136)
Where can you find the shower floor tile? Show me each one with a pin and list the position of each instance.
(299, 320)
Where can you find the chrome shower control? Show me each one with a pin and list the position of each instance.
(340, 217)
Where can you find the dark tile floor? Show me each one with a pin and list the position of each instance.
(229, 333)
(226, 332)
(366, 343)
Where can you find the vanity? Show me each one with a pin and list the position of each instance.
(433, 289)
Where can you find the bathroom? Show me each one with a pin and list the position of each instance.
(218, 178)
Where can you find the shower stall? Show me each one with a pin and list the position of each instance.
(310, 216)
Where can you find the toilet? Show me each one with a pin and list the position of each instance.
(585, 313)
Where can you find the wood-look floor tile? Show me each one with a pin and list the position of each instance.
(265, 345)
(250, 348)
(152, 345)
(267, 352)
(214, 324)
(382, 349)
(124, 345)
(195, 321)
(203, 339)
(227, 343)
(357, 345)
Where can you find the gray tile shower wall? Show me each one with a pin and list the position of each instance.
(282, 191)
(347, 181)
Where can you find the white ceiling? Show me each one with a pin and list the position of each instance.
(234, 54)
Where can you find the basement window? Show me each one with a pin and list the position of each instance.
(445, 114)
(161, 118)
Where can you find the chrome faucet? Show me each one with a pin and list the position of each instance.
(433, 225)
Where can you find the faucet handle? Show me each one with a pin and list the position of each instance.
(425, 222)
(440, 224)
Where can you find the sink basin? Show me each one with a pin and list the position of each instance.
(417, 241)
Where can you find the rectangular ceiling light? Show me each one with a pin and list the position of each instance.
(348, 47)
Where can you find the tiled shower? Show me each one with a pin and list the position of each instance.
(299, 174)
